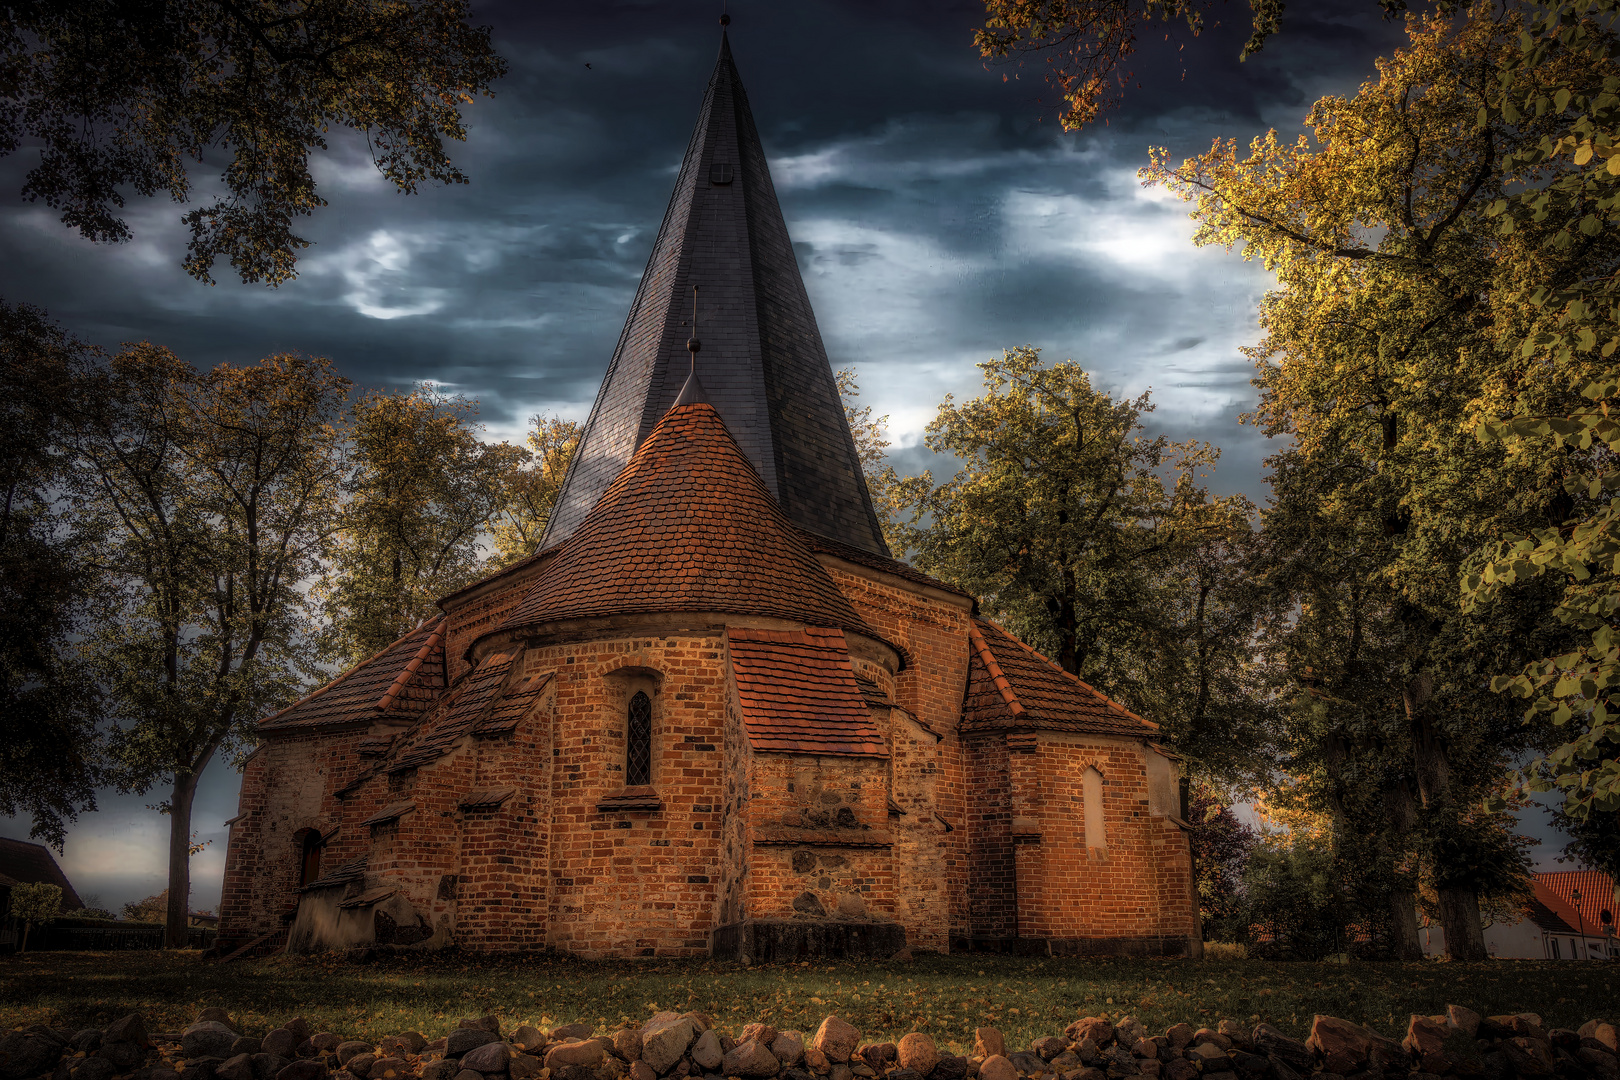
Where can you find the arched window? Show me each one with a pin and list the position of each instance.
(1091, 790)
(309, 857)
(638, 741)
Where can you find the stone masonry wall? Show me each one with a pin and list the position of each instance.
(820, 825)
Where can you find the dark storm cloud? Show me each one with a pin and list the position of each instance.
(938, 213)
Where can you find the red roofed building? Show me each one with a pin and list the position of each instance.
(712, 714)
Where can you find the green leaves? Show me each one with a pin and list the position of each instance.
(124, 99)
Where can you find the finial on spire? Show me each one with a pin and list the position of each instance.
(692, 391)
(725, 20)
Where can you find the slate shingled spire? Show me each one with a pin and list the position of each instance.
(764, 367)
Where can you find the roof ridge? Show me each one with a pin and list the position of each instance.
(993, 666)
(409, 671)
(1071, 676)
(323, 688)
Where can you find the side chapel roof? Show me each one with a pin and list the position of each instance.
(1012, 686)
(799, 693)
(403, 680)
(763, 363)
(687, 526)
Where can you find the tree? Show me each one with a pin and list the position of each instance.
(1377, 352)
(871, 446)
(531, 493)
(1562, 79)
(152, 909)
(422, 491)
(1221, 846)
(126, 96)
(1061, 520)
(34, 904)
(213, 495)
(49, 760)
(1084, 44)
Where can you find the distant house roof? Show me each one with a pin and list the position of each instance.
(1012, 686)
(22, 863)
(1547, 911)
(1597, 898)
(401, 680)
(799, 695)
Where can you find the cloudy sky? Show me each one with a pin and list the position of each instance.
(939, 212)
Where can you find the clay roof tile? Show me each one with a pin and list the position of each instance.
(799, 695)
(1010, 685)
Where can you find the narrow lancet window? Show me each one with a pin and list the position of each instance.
(638, 741)
(309, 866)
(1091, 790)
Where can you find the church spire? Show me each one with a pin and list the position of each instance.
(765, 368)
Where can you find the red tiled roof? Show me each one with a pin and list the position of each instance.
(1597, 896)
(799, 695)
(30, 864)
(439, 734)
(511, 709)
(1010, 685)
(485, 799)
(391, 813)
(687, 526)
(402, 680)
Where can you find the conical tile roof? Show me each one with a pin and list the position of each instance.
(762, 360)
(688, 526)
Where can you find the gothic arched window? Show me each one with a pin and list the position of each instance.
(638, 741)
(1091, 791)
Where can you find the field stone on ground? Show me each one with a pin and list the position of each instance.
(347, 1050)
(640, 1070)
(95, 1069)
(950, 1068)
(564, 1055)
(917, 1051)
(988, 1042)
(787, 1047)
(468, 1074)
(664, 1041)
(1095, 1028)
(303, 1070)
(764, 1034)
(207, 1038)
(751, 1060)
(836, 1038)
(573, 1031)
(489, 1058)
(122, 1054)
(237, 1067)
(706, 1051)
(483, 1023)
(245, 1044)
(266, 1066)
(528, 1038)
(443, 1069)
(627, 1043)
(464, 1039)
(279, 1041)
(130, 1029)
(996, 1067)
(523, 1067)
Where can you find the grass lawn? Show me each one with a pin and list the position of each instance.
(945, 996)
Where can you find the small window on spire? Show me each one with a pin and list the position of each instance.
(638, 742)
(719, 174)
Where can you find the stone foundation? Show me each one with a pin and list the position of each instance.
(764, 941)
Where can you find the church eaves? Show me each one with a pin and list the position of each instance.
(762, 363)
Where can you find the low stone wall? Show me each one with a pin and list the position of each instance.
(674, 1046)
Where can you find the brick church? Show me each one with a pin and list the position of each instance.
(712, 714)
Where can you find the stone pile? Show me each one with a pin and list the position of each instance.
(676, 1046)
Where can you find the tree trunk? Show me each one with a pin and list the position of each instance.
(1459, 915)
(1407, 945)
(27, 925)
(175, 933)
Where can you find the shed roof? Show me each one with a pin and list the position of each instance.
(799, 695)
(403, 679)
(1010, 685)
